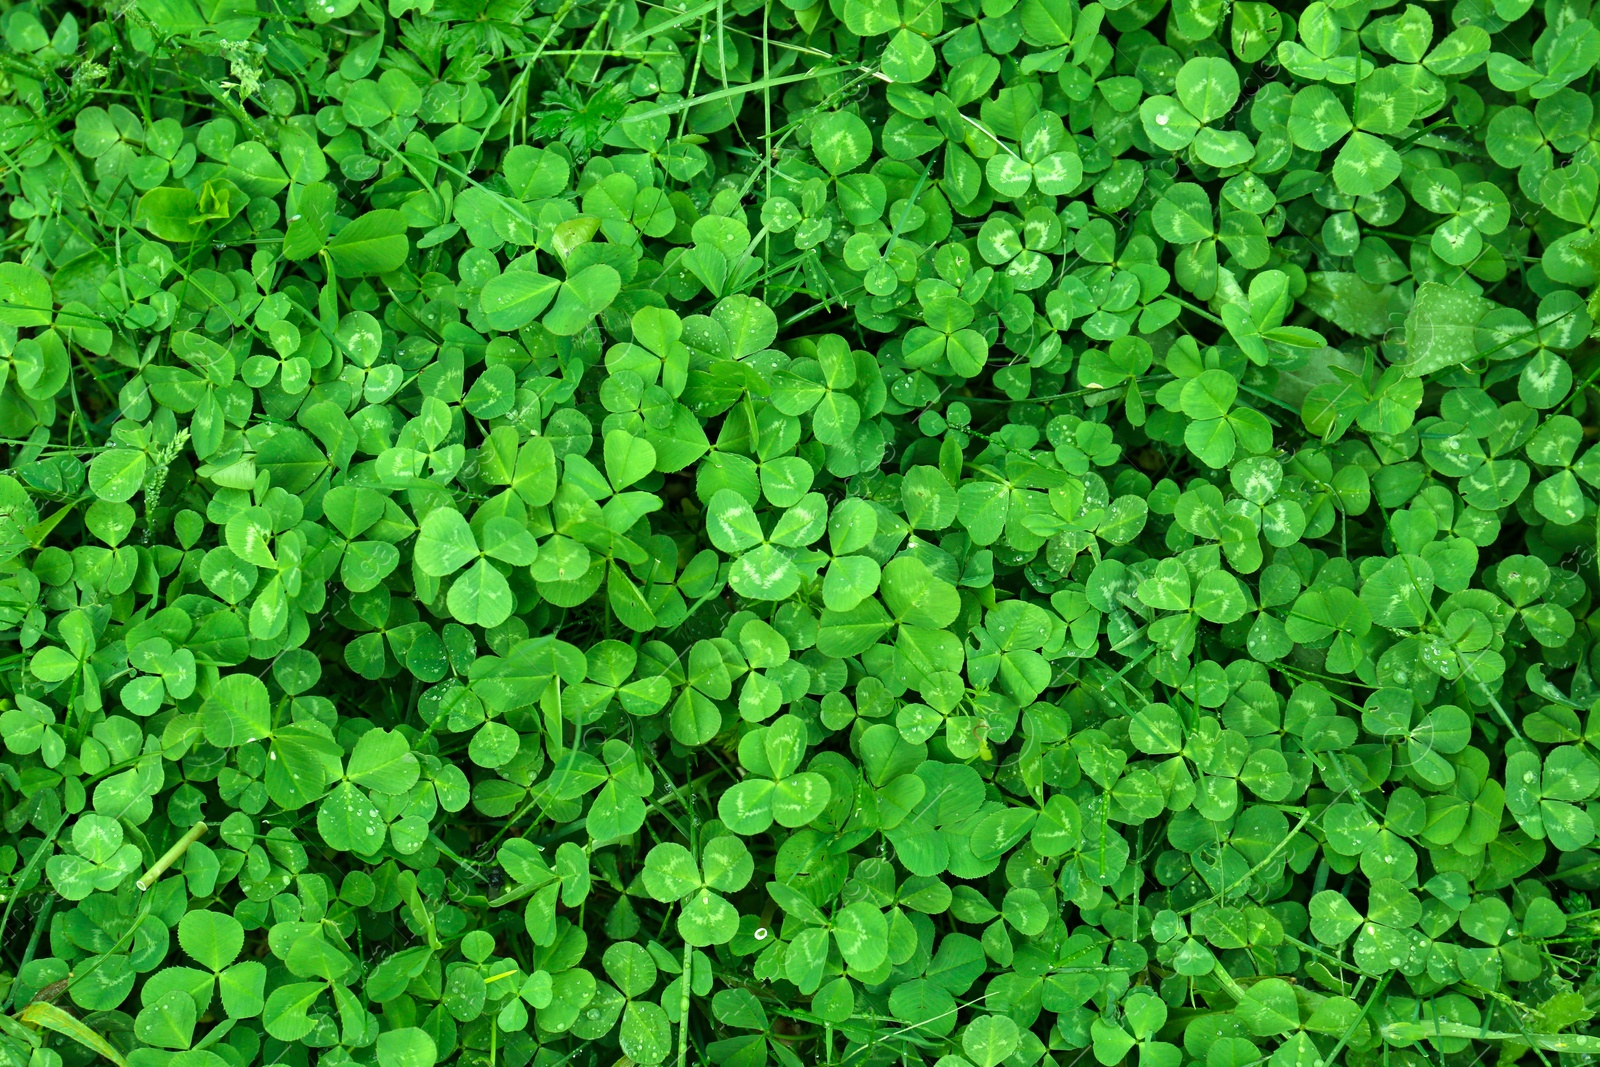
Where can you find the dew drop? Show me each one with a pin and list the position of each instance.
(761, 933)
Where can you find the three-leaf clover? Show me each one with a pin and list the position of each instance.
(705, 917)
(446, 542)
(778, 793)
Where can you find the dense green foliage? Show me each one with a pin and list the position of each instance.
(816, 532)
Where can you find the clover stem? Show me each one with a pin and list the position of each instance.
(170, 857)
(22, 879)
(683, 1007)
(688, 949)
(1383, 984)
(1232, 987)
